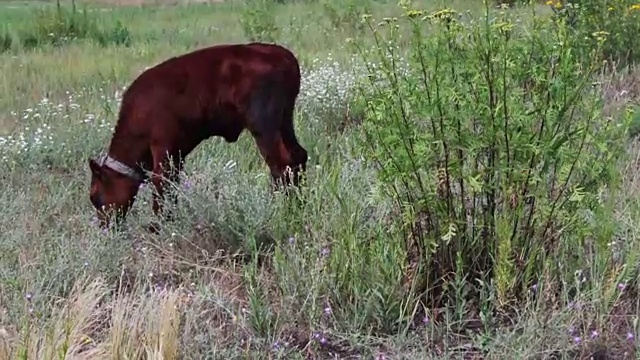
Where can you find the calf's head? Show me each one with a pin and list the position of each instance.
(111, 193)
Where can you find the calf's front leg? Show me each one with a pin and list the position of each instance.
(165, 170)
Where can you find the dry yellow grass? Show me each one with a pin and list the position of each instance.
(131, 326)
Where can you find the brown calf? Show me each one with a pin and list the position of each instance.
(172, 107)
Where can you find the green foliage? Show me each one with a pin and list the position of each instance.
(258, 20)
(614, 23)
(491, 145)
(294, 1)
(59, 26)
(347, 14)
(5, 40)
(634, 127)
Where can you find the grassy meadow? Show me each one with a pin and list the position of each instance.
(472, 187)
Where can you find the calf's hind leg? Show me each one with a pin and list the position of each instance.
(298, 155)
(270, 121)
(274, 152)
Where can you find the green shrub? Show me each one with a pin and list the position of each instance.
(634, 127)
(5, 40)
(346, 15)
(59, 26)
(258, 21)
(615, 21)
(490, 142)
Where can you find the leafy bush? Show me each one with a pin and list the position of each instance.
(5, 40)
(490, 142)
(346, 14)
(617, 22)
(258, 22)
(634, 127)
(59, 26)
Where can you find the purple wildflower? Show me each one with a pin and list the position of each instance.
(622, 286)
(28, 296)
(325, 251)
(576, 305)
(327, 310)
(292, 240)
(594, 334)
(534, 287)
(576, 340)
(321, 338)
(630, 336)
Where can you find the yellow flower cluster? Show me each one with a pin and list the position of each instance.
(558, 4)
(555, 3)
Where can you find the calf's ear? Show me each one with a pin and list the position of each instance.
(95, 168)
